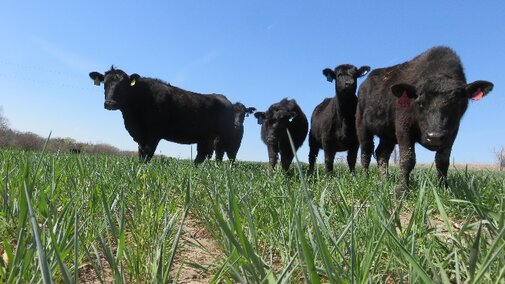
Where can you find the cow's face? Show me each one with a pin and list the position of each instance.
(240, 111)
(438, 113)
(346, 77)
(117, 86)
(275, 122)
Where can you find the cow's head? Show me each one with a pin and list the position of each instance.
(276, 119)
(117, 85)
(346, 77)
(240, 111)
(438, 110)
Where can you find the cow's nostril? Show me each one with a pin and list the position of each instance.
(434, 135)
(110, 104)
(435, 138)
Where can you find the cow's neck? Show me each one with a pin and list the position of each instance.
(344, 95)
(134, 119)
(337, 107)
(341, 102)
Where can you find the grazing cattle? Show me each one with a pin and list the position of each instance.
(153, 110)
(333, 121)
(280, 116)
(421, 100)
(232, 146)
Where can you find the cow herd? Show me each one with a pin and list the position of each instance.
(419, 101)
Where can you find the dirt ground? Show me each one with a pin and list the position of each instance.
(195, 260)
(196, 247)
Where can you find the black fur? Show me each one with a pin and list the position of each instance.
(280, 116)
(153, 110)
(232, 145)
(333, 121)
(419, 101)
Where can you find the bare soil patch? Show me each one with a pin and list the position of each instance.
(88, 275)
(436, 222)
(195, 260)
(198, 253)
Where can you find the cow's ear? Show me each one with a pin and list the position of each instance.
(363, 70)
(401, 89)
(134, 78)
(260, 116)
(96, 77)
(292, 115)
(329, 74)
(404, 92)
(478, 89)
(250, 110)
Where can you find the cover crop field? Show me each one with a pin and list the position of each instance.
(68, 218)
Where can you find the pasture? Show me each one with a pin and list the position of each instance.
(69, 218)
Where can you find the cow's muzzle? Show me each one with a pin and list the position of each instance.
(110, 105)
(271, 140)
(434, 139)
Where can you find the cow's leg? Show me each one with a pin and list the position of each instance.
(232, 154)
(314, 150)
(219, 155)
(352, 155)
(272, 158)
(383, 152)
(142, 153)
(407, 163)
(329, 157)
(366, 143)
(442, 163)
(286, 159)
(147, 149)
(218, 149)
(203, 150)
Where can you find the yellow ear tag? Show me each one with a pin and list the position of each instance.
(133, 82)
(97, 82)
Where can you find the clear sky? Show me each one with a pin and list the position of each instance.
(256, 52)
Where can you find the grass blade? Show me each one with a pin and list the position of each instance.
(43, 264)
(412, 261)
(474, 253)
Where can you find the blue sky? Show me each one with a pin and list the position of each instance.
(256, 52)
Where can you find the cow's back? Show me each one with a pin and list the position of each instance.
(319, 111)
(375, 108)
(186, 117)
(298, 128)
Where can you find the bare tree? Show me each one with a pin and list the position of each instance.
(4, 123)
(500, 157)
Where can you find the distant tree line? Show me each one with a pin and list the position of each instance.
(12, 139)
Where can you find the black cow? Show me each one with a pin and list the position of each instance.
(280, 116)
(232, 146)
(154, 110)
(333, 121)
(421, 100)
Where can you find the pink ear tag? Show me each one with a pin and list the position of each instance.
(403, 101)
(478, 95)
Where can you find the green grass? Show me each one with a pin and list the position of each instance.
(61, 213)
